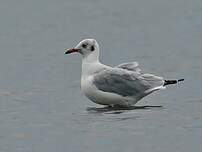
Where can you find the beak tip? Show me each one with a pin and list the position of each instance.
(68, 51)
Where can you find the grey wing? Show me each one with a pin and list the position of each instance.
(131, 66)
(155, 82)
(152, 80)
(120, 81)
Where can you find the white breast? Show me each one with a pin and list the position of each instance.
(101, 97)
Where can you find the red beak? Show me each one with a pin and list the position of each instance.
(71, 51)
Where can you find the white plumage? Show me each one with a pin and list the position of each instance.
(123, 85)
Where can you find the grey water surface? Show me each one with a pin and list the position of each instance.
(42, 108)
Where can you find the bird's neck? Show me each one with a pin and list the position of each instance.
(91, 58)
(91, 64)
(89, 67)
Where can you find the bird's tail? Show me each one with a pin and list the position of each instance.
(168, 82)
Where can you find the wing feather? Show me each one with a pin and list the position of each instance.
(120, 81)
(131, 66)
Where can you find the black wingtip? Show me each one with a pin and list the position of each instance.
(180, 80)
(168, 82)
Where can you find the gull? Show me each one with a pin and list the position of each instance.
(123, 85)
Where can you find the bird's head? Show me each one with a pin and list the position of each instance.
(87, 47)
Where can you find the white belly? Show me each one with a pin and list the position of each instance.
(104, 98)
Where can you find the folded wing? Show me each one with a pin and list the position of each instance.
(131, 66)
(127, 80)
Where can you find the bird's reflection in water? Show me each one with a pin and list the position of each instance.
(119, 110)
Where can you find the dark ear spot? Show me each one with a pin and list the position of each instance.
(92, 48)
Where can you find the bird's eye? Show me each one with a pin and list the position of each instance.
(84, 46)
